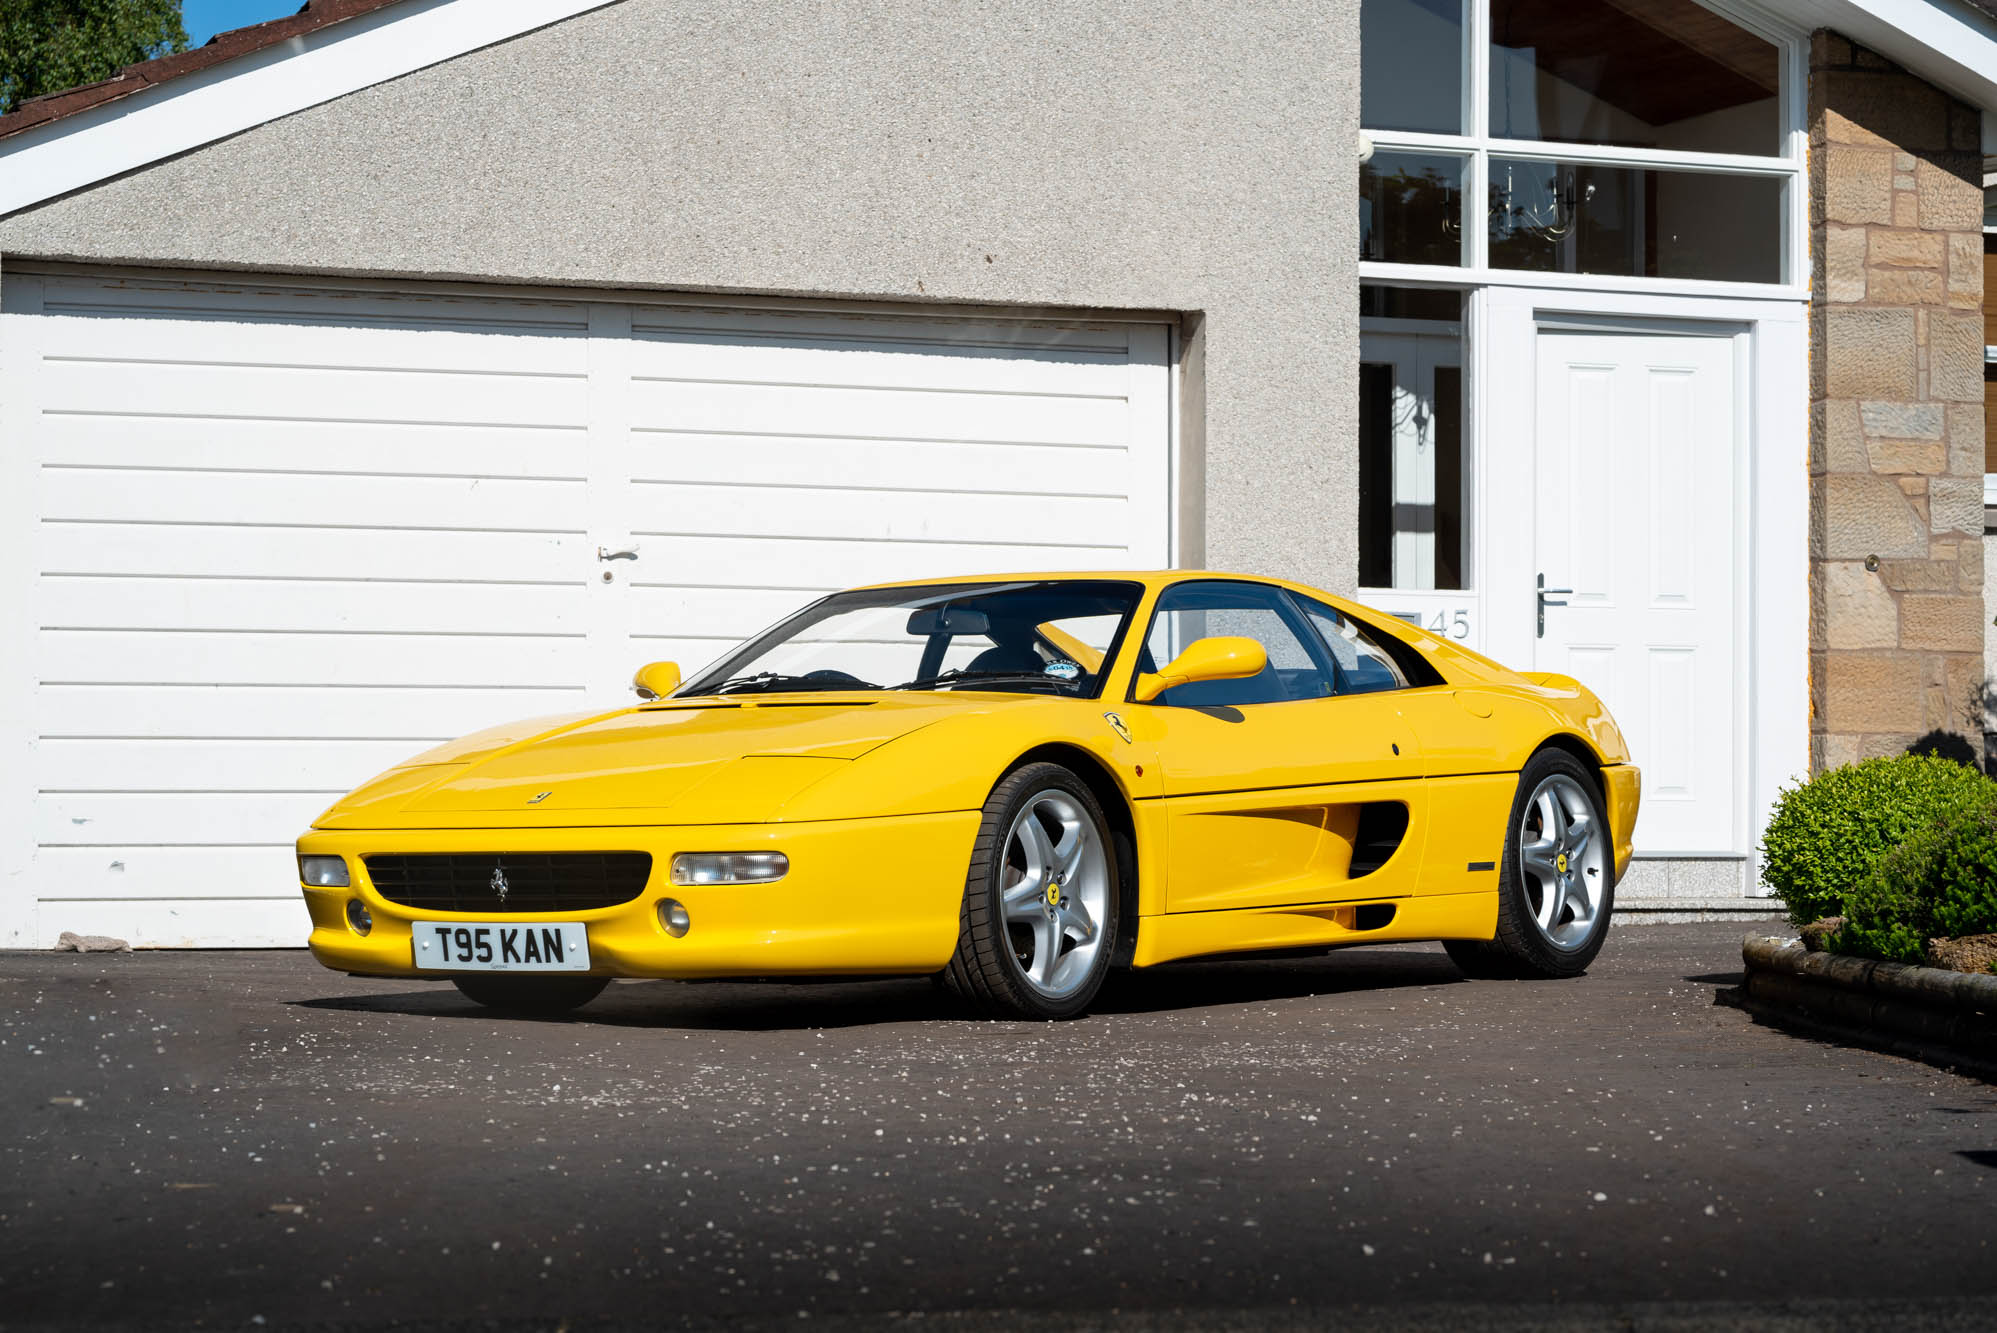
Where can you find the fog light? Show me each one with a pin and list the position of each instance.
(729, 867)
(673, 918)
(323, 872)
(359, 917)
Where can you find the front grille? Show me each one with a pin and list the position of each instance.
(534, 881)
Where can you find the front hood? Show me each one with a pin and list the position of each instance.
(677, 762)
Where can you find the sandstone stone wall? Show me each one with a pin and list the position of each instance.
(1896, 424)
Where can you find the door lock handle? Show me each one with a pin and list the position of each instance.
(627, 553)
(1544, 601)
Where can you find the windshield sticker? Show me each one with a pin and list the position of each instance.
(1062, 670)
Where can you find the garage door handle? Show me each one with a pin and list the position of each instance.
(628, 553)
(1546, 601)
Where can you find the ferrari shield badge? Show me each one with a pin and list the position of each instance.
(1116, 724)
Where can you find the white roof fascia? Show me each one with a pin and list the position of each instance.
(210, 104)
(1950, 45)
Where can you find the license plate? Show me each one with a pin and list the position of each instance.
(539, 946)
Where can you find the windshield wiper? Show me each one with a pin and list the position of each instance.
(956, 676)
(773, 682)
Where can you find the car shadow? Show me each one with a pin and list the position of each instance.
(1200, 983)
(766, 1006)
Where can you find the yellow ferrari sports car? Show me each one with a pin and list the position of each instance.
(1014, 783)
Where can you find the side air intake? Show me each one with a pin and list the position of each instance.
(1382, 825)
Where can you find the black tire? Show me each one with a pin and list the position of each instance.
(987, 971)
(534, 996)
(1525, 948)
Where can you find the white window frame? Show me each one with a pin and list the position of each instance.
(1477, 147)
(1989, 359)
(1503, 307)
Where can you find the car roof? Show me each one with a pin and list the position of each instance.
(1150, 578)
(1462, 661)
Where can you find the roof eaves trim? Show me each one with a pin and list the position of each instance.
(200, 108)
(1951, 45)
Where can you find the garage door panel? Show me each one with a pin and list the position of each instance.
(327, 604)
(224, 711)
(161, 873)
(203, 657)
(909, 465)
(767, 560)
(731, 614)
(220, 766)
(160, 549)
(266, 499)
(261, 923)
(862, 414)
(187, 923)
(291, 536)
(809, 326)
(316, 341)
(397, 323)
(891, 516)
(174, 819)
(313, 448)
(888, 366)
(279, 394)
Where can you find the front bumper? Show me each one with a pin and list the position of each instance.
(862, 896)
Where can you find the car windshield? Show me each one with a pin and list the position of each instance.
(1041, 636)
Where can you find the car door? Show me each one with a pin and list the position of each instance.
(1266, 780)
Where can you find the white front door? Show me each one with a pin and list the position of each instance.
(1636, 516)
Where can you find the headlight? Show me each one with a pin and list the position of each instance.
(323, 872)
(729, 867)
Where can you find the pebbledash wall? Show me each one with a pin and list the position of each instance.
(1188, 156)
(1897, 446)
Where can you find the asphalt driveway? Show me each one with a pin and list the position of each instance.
(243, 1139)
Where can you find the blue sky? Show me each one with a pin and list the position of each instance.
(205, 18)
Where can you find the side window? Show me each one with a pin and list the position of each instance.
(1360, 664)
(1191, 611)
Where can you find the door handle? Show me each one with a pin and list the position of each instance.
(1546, 601)
(627, 553)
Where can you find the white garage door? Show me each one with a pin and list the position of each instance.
(261, 541)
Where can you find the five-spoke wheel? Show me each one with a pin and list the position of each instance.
(1038, 923)
(1055, 891)
(1562, 855)
(1556, 885)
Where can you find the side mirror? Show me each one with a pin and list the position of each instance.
(1222, 658)
(656, 680)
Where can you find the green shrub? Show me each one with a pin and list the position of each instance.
(1827, 834)
(1938, 884)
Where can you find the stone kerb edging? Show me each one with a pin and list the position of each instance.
(1944, 1018)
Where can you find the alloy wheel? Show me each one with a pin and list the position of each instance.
(1563, 862)
(1054, 893)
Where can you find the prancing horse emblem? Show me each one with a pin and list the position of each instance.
(499, 884)
(1117, 723)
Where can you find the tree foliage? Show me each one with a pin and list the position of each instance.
(49, 45)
